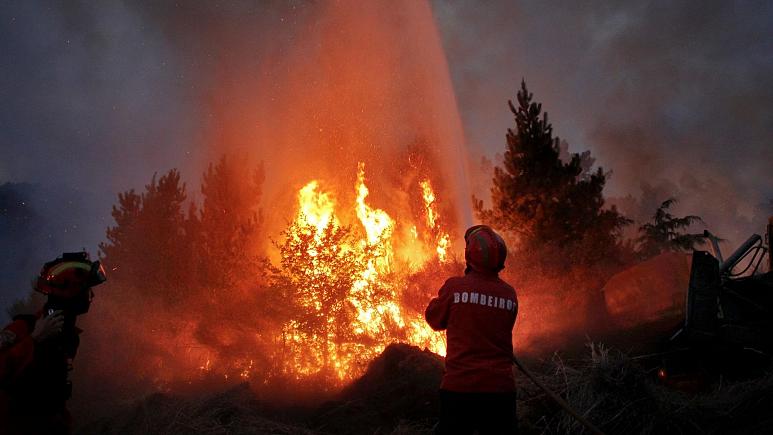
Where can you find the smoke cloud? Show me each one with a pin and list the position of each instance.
(95, 100)
(674, 98)
(99, 96)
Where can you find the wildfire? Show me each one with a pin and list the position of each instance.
(356, 323)
(316, 208)
(377, 223)
(442, 239)
(429, 202)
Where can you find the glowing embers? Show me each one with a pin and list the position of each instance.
(345, 282)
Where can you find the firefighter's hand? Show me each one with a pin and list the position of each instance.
(48, 326)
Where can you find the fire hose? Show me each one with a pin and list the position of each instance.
(556, 398)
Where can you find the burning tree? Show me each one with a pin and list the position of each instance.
(340, 286)
(334, 299)
(317, 271)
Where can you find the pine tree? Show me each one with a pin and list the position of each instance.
(664, 233)
(540, 200)
(148, 250)
(228, 224)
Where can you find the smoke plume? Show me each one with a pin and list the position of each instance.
(672, 97)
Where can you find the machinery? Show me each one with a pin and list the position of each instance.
(728, 323)
(731, 307)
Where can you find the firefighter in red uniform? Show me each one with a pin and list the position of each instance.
(478, 312)
(36, 351)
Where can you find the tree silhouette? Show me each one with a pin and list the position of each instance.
(664, 232)
(228, 222)
(148, 250)
(540, 200)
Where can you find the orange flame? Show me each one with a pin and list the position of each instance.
(443, 240)
(374, 295)
(316, 208)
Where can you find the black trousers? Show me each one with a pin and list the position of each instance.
(487, 413)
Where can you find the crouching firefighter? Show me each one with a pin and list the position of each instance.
(478, 312)
(36, 357)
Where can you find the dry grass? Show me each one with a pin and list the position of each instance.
(398, 395)
(616, 393)
(234, 412)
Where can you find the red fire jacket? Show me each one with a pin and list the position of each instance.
(18, 355)
(14, 359)
(478, 313)
(25, 375)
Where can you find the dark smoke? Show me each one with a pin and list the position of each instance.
(93, 95)
(29, 236)
(676, 97)
(94, 100)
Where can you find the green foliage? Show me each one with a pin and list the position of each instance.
(542, 202)
(665, 233)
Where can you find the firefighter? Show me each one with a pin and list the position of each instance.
(37, 350)
(478, 312)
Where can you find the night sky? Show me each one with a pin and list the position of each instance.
(675, 98)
